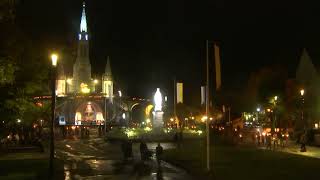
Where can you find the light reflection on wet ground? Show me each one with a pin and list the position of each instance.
(96, 159)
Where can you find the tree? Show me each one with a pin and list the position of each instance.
(19, 82)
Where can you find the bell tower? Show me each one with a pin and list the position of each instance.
(107, 81)
(82, 67)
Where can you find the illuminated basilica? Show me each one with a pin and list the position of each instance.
(82, 100)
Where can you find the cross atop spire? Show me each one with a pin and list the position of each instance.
(83, 23)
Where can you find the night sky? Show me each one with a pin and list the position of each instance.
(151, 42)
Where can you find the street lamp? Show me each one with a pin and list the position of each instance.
(302, 106)
(275, 114)
(258, 111)
(120, 95)
(54, 59)
(302, 92)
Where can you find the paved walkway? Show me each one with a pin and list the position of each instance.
(294, 148)
(96, 159)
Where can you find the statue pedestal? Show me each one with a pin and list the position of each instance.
(157, 124)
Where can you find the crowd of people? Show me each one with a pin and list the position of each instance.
(269, 140)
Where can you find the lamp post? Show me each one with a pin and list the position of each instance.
(302, 106)
(258, 111)
(105, 114)
(120, 95)
(275, 99)
(54, 59)
(207, 107)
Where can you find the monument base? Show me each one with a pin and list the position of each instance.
(157, 124)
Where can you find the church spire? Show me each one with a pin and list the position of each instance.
(83, 23)
(108, 68)
(306, 73)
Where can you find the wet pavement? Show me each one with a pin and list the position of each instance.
(96, 159)
(294, 148)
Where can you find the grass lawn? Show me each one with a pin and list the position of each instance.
(28, 169)
(234, 162)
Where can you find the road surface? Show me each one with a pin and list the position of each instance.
(96, 159)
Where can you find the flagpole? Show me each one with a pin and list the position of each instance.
(175, 102)
(207, 108)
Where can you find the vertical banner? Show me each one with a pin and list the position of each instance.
(203, 95)
(179, 92)
(217, 64)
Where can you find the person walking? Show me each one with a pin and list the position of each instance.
(268, 141)
(129, 149)
(303, 141)
(159, 151)
(143, 150)
(124, 148)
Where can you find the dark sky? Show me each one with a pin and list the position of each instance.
(150, 42)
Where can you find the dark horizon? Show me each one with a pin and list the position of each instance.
(150, 43)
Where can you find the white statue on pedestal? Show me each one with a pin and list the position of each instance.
(158, 100)
(157, 113)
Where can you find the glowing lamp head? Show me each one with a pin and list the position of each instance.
(258, 109)
(54, 59)
(302, 92)
(95, 81)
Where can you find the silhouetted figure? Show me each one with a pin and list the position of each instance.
(175, 138)
(124, 148)
(143, 150)
(180, 135)
(159, 174)
(274, 139)
(39, 144)
(159, 151)
(129, 153)
(303, 141)
(269, 142)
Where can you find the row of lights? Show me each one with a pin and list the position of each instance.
(203, 118)
(69, 81)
